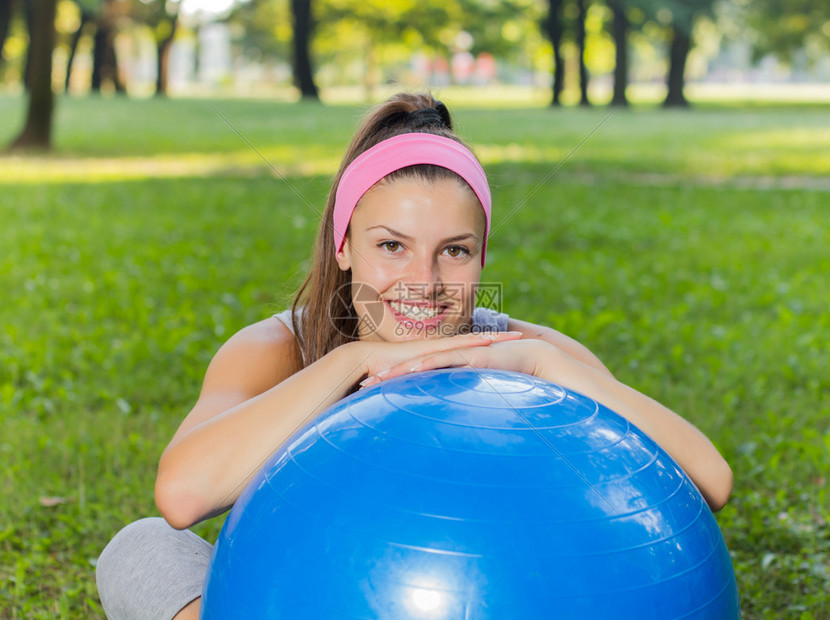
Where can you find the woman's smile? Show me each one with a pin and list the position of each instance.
(413, 313)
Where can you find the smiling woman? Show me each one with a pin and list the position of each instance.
(410, 201)
(391, 291)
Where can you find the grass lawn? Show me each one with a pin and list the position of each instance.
(688, 249)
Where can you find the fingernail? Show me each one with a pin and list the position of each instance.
(382, 373)
(368, 381)
(416, 367)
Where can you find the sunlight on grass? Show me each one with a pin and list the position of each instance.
(748, 158)
(117, 139)
(243, 163)
(803, 147)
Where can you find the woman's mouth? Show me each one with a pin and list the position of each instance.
(417, 313)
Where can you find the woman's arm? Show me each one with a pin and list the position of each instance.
(252, 400)
(254, 397)
(566, 344)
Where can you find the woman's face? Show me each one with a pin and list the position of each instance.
(414, 248)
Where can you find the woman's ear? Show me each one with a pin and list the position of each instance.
(344, 256)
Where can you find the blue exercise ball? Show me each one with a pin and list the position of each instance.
(469, 493)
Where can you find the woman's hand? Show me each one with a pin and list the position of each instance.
(382, 360)
(505, 352)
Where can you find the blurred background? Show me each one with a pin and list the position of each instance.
(535, 51)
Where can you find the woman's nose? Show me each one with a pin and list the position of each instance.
(424, 277)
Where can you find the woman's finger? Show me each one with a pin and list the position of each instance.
(394, 354)
(517, 356)
(443, 359)
(465, 340)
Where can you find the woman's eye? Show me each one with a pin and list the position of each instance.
(390, 246)
(455, 251)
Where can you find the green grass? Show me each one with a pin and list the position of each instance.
(688, 249)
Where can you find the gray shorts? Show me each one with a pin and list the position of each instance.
(151, 571)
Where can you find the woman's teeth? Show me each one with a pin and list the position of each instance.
(416, 313)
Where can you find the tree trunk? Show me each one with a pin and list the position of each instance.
(678, 52)
(73, 47)
(555, 30)
(6, 10)
(303, 25)
(99, 52)
(37, 132)
(104, 61)
(619, 31)
(112, 67)
(29, 18)
(582, 7)
(197, 52)
(163, 59)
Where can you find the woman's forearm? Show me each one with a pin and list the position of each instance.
(203, 472)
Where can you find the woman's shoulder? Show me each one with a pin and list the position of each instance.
(285, 318)
(261, 354)
(271, 333)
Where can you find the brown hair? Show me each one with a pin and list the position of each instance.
(328, 317)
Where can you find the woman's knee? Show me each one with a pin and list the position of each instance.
(150, 570)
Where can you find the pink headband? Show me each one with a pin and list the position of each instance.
(399, 152)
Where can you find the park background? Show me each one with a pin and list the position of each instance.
(662, 193)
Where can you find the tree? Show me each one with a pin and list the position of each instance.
(99, 17)
(681, 43)
(104, 63)
(165, 31)
(568, 17)
(86, 18)
(684, 14)
(278, 32)
(555, 29)
(162, 18)
(37, 131)
(581, 17)
(29, 19)
(303, 25)
(619, 32)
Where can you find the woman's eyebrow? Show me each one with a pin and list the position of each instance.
(460, 238)
(400, 235)
(391, 231)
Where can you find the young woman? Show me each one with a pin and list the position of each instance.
(392, 290)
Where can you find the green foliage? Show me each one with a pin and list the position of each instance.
(687, 249)
(785, 27)
(159, 16)
(262, 30)
(346, 30)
